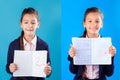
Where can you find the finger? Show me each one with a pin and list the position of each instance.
(71, 45)
(14, 69)
(113, 48)
(48, 68)
(48, 72)
(48, 63)
(114, 52)
(14, 66)
(72, 48)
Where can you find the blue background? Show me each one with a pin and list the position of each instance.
(72, 17)
(50, 30)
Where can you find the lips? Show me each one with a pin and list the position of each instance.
(93, 29)
(29, 30)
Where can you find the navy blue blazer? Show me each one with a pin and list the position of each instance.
(15, 45)
(104, 70)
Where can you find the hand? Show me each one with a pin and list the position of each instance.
(112, 50)
(47, 69)
(71, 51)
(13, 67)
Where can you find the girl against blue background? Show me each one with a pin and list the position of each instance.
(50, 30)
(92, 23)
(27, 41)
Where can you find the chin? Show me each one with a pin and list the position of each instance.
(94, 32)
(30, 35)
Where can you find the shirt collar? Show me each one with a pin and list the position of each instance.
(34, 40)
(97, 37)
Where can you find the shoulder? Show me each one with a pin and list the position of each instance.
(41, 42)
(15, 42)
(82, 36)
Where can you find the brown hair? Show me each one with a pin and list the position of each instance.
(27, 11)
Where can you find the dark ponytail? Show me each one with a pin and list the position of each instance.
(84, 33)
(21, 41)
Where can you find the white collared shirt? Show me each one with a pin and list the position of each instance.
(92, 71)
(30, 46)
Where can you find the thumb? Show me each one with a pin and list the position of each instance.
(71, 45)
(48, 64)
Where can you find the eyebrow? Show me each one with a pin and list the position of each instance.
(25, 20)
(28, 20)
(95, 19)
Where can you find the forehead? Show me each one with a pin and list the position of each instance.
(29, 16)
(95, 15)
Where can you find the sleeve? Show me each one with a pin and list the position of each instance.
(109, 69)
(48, 57)
(75, 69)
(48, 54)
(9, 58)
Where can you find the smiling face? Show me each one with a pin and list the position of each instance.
(29, 24)
(93, 23)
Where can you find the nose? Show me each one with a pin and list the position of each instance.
(94, 24)
(30, 25)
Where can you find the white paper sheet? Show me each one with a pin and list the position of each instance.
(93, 51)
(30, 63)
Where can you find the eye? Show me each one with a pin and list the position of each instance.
(32, 22)
(25, 22)
(97, 21)
(90, 21)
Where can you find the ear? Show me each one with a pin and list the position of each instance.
(84, 24)
(101, 25)
(38, 24)
(20, 24)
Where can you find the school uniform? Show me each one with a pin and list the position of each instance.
(103, 70)
(15, 45)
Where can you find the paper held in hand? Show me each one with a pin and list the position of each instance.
(30, 63)
(92, 51)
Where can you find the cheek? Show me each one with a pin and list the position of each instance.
(21, 25)
(35, 28)
(87, 25)
(100, 26)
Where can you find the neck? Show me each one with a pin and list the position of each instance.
(29, 38)
(92, 35)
